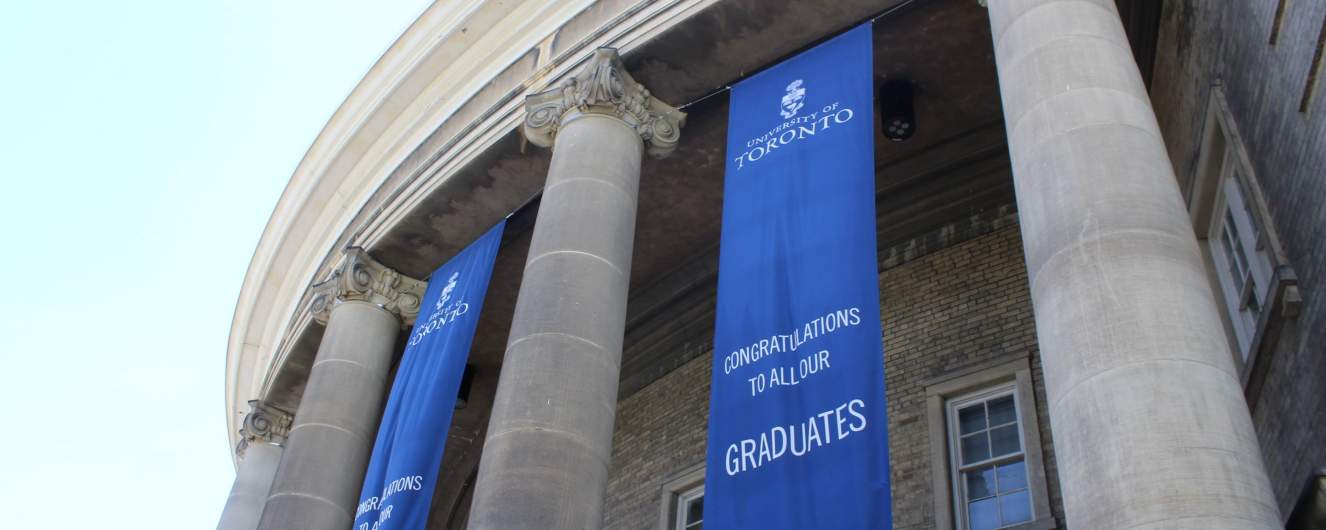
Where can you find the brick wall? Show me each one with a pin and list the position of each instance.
(660, 431)
(1204, 44)
(955, 308)
(945, 312)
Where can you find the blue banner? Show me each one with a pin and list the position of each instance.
(797, 425)
(402, 472)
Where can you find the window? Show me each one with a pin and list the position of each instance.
(683, 500)
(990, 469)
(985, 449)
(1240, 261)
(690, 509)
(1249, 273)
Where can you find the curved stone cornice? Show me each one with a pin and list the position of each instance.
(456, 77)
(362, 278)
(263, 424)
(603, 86)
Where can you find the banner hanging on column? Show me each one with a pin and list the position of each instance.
(402, 472)
(797, 423)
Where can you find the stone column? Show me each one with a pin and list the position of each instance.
(1150, 426)
(264, 430)
(364, 306)
(545, 461)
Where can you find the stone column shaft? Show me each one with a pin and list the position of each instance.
(1150, 426)
(545, 461)
(261, 437)
(317, 485)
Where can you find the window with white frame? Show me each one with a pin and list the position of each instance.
(985, 447)
(690, 509)
(1248, 271)
(682, 502)
(989, 461)
(1239, 259)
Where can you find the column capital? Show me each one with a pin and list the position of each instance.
(603, 86)
(362, 278)
(263, 424)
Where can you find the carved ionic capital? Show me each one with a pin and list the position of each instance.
(362, 278)
(603, 86)
(263, 424)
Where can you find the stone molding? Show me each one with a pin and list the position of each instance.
(604, 87)
(362, 278)
(464, 107)
(263, 424)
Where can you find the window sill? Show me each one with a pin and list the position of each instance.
(1284, 304)
(1044, 523)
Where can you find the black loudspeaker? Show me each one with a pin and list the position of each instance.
(897, 115)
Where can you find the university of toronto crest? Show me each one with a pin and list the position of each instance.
(446, 292)
(794, 99)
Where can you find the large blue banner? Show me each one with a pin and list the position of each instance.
(402, 472)
(797, 425)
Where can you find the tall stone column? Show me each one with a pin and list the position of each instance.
(364, 306)
(264, 430)
(1150, 426)
(545, 461)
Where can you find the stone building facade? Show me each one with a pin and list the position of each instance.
(1103, 245)
(1251, 70)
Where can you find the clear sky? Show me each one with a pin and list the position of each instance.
(143, 145)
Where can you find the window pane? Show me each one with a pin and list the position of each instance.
(1002, 411)
(975, 448)
(983, 515)
(1229, 225)
(971, 419)
(1237, 198)
(695, 510)
(1242, 258)
(1235, 267)
(1004, 440)
(980, 483)
(1254, 301)
(1016, 507)
(1012, 477)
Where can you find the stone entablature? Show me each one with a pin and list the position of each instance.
(438, 79)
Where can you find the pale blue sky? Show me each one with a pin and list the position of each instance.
(143, 145)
